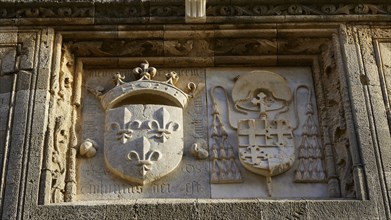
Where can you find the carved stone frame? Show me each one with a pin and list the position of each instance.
(328, 54)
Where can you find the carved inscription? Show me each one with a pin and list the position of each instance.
(190, 168)
(116, 189)
(193, 188)
(164, 188)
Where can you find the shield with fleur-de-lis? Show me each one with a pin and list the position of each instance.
(143, 142)
(143, 139)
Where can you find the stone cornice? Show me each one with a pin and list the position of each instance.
(173, 11)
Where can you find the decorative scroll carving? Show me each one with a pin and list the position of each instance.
(189, 47)
(296, 9)
(245, 47)
(59, 161)
(141, 9)
(198, 47)
(48, 12)
(302, 45)
(179, 48)
(117, 48)
(61, 123)
(167, 11)
(121, 10)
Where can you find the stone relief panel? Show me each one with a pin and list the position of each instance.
(267, 120)
(146, 133)
(199, 133)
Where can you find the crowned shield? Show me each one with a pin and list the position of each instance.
(143, 138)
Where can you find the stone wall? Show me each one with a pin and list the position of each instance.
(330, 60)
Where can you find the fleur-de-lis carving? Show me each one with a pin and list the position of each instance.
(164, 129)
(125, 133)
(145, 72)
(172, 77)
(147, 157)
(118, 79)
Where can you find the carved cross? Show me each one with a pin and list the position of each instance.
(263, 101)
(282, 131)
(253, 155)
(260, 134)
(256, 127)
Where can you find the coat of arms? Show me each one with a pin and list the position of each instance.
(143, 139)
(266, 146)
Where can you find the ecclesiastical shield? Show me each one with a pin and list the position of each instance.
(266, 149)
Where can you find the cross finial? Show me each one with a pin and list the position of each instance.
(262, 102)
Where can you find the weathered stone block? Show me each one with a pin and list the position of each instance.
(8, 58)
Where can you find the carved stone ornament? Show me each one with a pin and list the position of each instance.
(143, 138)
(88, 148)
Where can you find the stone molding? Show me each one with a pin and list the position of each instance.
(173, 11)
